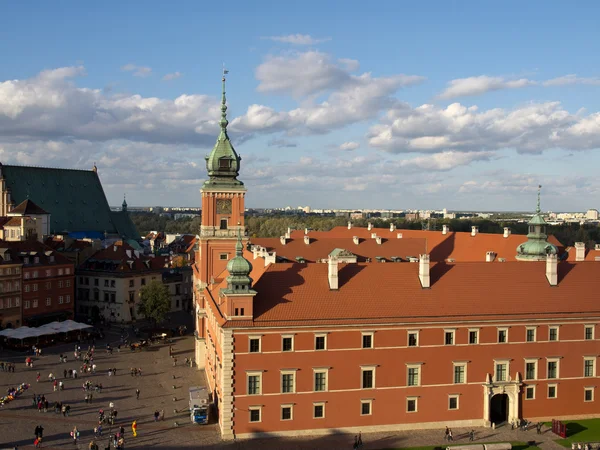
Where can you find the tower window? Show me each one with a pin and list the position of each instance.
(224, 163)
(223, 224)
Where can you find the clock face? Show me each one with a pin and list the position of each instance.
(223, 206)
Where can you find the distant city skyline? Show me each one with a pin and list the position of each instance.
(464, 106)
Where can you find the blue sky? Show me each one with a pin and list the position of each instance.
(463, 105)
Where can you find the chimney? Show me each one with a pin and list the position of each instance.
(283, 240)
(444, 229)
(378, 240)
(506, 232)
(373, 235)
(490, 256)
(306, 231)
(392, 227)
(369, 226)
(552, 269)
(270, 258)
(349, 225)
(579, 251)
(306, 240)
(474, 230)
(254, 251)
(399, 236)
(332, 272)
(288, 233)
(424, 271)
(356, 240)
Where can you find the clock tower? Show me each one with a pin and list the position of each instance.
(222, 219)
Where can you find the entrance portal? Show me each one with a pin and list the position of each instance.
(499, 409)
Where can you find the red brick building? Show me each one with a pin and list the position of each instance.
(10, 288)
(376, 330)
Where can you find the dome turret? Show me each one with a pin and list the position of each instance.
(537, 247)
(239, 269)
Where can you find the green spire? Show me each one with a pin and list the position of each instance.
(223, 163)
(124, 205)
(537, 246)
(538, 210)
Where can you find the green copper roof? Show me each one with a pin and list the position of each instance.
(74, 199)
(537, 246)
(223, 163)
(239, 268)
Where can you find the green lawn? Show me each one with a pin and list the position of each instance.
(580, 431)
(515, 446)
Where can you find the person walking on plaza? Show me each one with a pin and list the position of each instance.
(446, 433)
(134, 428)
(137, 394)
(75, 435)
(359, 439)
(37, 378)
(471, 435)
(450, 438)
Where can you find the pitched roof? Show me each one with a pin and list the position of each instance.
(299, 294)
(124, 225)
(13, 222)
(30, 249)
(590, 255)
(27, 207)
(123, 258)
(74, 198)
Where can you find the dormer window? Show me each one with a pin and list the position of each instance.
(224, 163)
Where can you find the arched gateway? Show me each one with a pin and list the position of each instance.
(501, 401)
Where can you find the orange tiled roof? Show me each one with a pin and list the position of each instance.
(299, 294)
(590, 255)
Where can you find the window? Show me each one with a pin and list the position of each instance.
(131, 296)
(473, 336)
(367, 377)
(319, 410)
(501, 371)
(131, 283)
(223, 225)
(35, 304)
(589, 367)
(502, 335)
(143, 282)
(254, 383)
(530, 393)
(68, 299)
(552, 388)
(413, 377)
(453, 402)
(68, 283)
(48, 301)
(113, 297)
(254, 413)
(413, 338)
(48, 285)
(26, 275)
(67, 271)
(223, 256)
(60, 271)
(8, 303)
(26, 287)
(366, 407)
(449, 337)
(552, 369)
(287, 344)
(35, 287)
(530, 334)
(320, 342)
(105, 283)
(61, 299)
(367, 340)
(320, 376)
(589, 332)
(112, 283)
(254, 345)
(460, 373)
(286, 412)
(26, 304)
(288, 382)
(411, 404)
(106, 297)
(530, 370)
(588, 394)
(17, 272)
(48, 273)
(96, 281)
(35, 274)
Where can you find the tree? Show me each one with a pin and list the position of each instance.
(155, 301)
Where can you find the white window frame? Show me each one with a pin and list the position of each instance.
(319, 404)
(557, 361)
(323, 335)
(498, 330)
(457, 397)
(287, 336)
(505, 362)
(26, 304)
(61, 299)
(226, 255)
(473, 330)
(591, 389)
(535, 374)
(555, 385)
(260, 382)
(369, 402)
(593, 332)
(364, 369)
(453, 331)
(35, 287)
(532, 387)
(362, 337)
(321, 370)
(454, 365)
(250, 338)
(26, 287)
(408, 333)
(68, 299)
(48, 301)
(291, 372)
(554, 327)
(34, 304)
(593, 359)
(287, 405)
(527, 330)
(416, 400)
(255, 408)
(413, 366)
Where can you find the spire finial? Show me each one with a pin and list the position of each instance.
(223, 122)
(239, 247)
(538, 210)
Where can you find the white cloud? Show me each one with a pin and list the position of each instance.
(462, 87)
(297, 39)
(572, 79)
(138, 71)
(281, 143)
(172, 76)
(446, 160)
(349, 146)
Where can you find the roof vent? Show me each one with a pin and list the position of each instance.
(474, 230)
(356, 240)
(412, 259)
(450, 260)
(380, 259)
(399, 236)
(392, 227)
(506, 232)
(373, 235)
(300, 259)
(306, 230)
(396, 259)
(490, 256)
(378, 240)
(597, 247)
(501, 259)
(349, 225)
(369, 226)
(445, 229)
(283, 240)
(306, 240)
